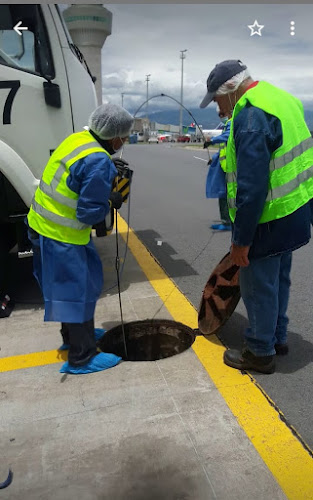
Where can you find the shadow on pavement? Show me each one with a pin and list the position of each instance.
(300, 355)
(231, 334)
(300, 350)
(165, 254)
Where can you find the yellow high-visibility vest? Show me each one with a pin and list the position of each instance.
(53, 209)
(291, 165)
(223, 147)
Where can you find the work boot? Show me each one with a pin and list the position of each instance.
(245, 360)
(281, 349)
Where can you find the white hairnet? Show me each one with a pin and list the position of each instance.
(233, 84)
(110, 120)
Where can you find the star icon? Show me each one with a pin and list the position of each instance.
(255, 28)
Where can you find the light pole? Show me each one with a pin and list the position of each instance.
(182, 56)
(147, 107)
(122, 100)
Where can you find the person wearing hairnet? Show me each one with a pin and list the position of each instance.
(269, 179)
(73, 195)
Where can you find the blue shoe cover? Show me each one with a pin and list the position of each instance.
(221, 227)
(64, 347)
(100, 362)
(99, 332)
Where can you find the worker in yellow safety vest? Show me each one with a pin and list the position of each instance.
(75, 193)
(269, 177)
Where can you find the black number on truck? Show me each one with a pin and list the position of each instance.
(14, 85)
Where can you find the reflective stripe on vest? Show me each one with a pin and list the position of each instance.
(280, 191)
(51, 189)
(223, 148)
(53, 209)
(58, 219)
(291, 165)
(292, 154)
(222, 155)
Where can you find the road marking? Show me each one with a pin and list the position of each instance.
(278, 445)
(198, 158)
(30, 360)
(284, 454)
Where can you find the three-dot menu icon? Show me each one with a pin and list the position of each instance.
(292, 28)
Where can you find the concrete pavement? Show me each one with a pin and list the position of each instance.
(139, 431)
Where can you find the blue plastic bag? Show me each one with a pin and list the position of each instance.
(216, 182)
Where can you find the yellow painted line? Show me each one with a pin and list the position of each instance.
(283, 453)
(279, 447)
(30, 360)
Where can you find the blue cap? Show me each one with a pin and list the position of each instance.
(222, 72)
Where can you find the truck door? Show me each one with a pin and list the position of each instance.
(35, 108)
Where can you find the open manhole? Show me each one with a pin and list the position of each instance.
(148, 340)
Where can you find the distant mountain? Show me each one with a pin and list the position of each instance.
(206, 117)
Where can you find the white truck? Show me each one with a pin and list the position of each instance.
(46, 93)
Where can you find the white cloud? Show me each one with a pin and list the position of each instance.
(148, 39)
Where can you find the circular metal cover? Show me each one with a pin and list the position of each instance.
(220, 296)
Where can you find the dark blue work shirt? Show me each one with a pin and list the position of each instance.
(257, 135)
(91, 178)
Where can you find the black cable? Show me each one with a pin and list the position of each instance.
(117, 267)
(178, 102)
(126, 244)
(117, 260)
(128, 215)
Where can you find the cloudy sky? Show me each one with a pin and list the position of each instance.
(148, 39)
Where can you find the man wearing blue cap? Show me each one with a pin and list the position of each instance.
(269, 177)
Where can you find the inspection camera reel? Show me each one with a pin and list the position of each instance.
(120, 184)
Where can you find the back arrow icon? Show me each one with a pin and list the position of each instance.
(18, 27)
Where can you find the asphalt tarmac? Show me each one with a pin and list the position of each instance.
(171, 215)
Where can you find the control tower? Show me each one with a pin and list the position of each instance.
(89, 25)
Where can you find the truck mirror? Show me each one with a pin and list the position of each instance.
(52, 94)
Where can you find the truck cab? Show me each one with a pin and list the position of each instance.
(46, 93)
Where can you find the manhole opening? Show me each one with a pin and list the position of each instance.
(148, 340)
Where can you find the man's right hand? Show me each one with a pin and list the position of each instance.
(119, 162)
(239, 255)
(115, 200)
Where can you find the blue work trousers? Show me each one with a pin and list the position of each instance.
(264, 286)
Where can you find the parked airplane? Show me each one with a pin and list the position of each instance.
(213, 132)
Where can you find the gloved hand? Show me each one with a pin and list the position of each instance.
(207, 144)
(119, 162)
(115, 200)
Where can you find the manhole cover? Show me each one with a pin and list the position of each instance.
(148, 340)
(220, 296)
